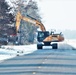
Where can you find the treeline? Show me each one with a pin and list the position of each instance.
(8, 18)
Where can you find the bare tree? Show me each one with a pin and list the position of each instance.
(26, 7)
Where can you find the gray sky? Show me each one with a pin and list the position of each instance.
(58, 14)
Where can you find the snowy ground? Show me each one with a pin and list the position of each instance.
(67, 44)
(7, 52)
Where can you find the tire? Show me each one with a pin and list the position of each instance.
(39, 46)
(54, 46)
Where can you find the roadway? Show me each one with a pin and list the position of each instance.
(41, 62)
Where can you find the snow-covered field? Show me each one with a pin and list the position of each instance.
(7, 52)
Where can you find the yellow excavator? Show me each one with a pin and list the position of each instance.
(44, 37)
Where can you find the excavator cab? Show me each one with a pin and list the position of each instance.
(42, 35)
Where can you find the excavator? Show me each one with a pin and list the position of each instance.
(44, 38)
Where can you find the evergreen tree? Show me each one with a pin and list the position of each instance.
(6, 18)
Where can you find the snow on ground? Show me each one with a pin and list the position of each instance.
(5, 57)
(67, 44)
(10, 51)
(7, 52)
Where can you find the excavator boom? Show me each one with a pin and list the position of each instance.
(19, 17)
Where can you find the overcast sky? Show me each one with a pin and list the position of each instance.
(58, 14)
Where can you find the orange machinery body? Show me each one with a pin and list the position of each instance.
(54, 38)
(47, 37)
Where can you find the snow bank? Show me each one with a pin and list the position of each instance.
(7, 52)
(4, 57)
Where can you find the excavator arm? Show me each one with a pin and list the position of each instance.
(19, 17)
(18, 20)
